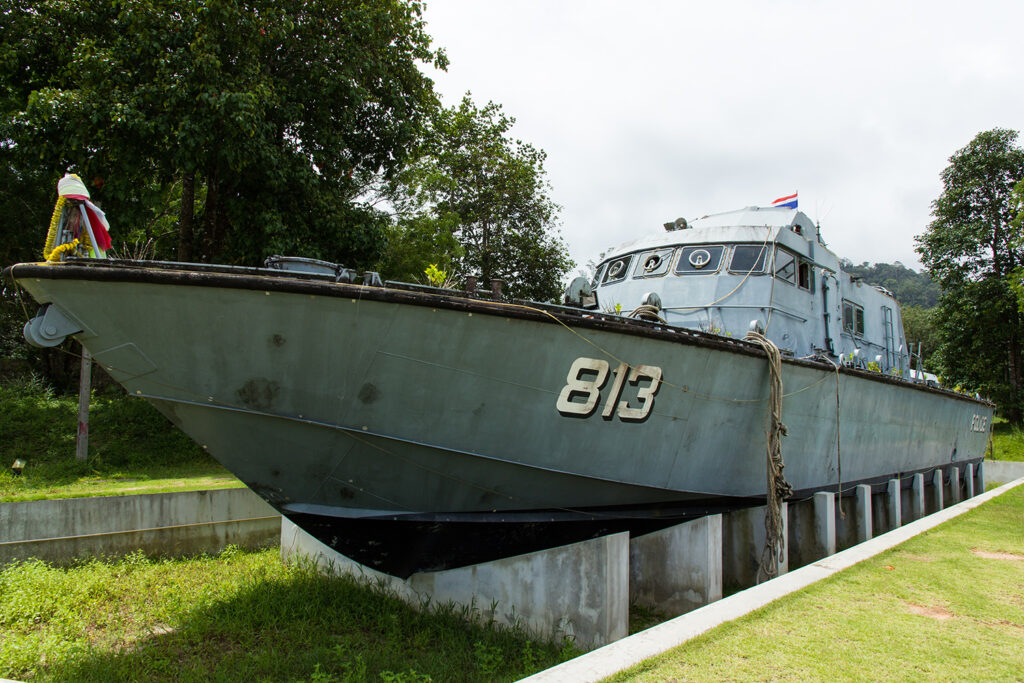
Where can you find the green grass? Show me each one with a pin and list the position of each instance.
(242, 616)
(132, 448)
(1007, 441)
(945, 605)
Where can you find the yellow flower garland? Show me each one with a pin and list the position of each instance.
(52, 254)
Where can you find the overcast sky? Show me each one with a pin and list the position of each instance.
(652, 110)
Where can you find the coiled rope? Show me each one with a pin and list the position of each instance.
(778, 489)
(647, 312)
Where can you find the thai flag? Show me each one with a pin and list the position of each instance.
(787, 202)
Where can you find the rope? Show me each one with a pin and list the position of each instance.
(647, 312)
(777, 487)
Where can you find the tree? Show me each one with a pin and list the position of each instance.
(908, 286)
(489, 192)
(972, 250)
(261, 122)
(922, 327)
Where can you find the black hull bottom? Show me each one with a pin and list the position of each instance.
(404, 545)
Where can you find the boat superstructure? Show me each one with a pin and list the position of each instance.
(766, 267)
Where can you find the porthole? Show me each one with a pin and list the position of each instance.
(699, 258)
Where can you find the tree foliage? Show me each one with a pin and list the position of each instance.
(262, 123)
(921, 326)
(478, 201)
(972, 250)
(910, 287)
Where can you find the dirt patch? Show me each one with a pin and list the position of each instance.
(916, 558)
(997, 555)
(939, 613)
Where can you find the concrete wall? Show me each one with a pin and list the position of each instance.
(579, 590)
(1002, 472)
(179, 523)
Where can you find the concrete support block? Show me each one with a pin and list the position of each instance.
(954, 485)
(979, 484)
(917, 504)
(846, 522)
(812, 529)
(678, 569)
(743, 540)
(863, 513)
(894, 501)
(579, 590)
(969, 479)
(937, 488)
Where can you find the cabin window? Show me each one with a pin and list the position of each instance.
(654, 263)
(598, 274)
(703, 259)
(803, 276)
(617, 269)
(748, 258)
(785, 266)
(853, 318)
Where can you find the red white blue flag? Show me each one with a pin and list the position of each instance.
(787, 202)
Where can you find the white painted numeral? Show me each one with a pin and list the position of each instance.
(576, 385)
(586, 379)
(645, 395)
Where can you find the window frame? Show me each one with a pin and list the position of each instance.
(665, 264)
(699, 271)
(856, 319)
(765, 252)
(627, 266)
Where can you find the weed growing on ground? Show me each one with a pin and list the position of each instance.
(240, 616)
(130, 445)
(1007, 441)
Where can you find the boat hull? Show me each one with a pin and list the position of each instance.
(384, 415)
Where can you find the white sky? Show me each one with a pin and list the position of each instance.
(652, 110)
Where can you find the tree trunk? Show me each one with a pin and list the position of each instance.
(186, 217)
(1012, 412)
(210, 217)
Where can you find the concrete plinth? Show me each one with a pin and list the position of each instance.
(969, 479)
(863, 513)
(954, 485)
(678, 569)
(917, 504)
(743, 539)
(894, 503)
(935, 500)
(812, 529)
(979, 477)
(579, 590)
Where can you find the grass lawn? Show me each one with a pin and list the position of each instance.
(132, 448)
(1007, 441)
(945, 605)
(240, 616)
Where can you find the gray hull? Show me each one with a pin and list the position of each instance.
(345, 402)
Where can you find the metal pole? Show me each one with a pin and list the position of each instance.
(84, 387)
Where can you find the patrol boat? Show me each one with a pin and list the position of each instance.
(416, 429)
